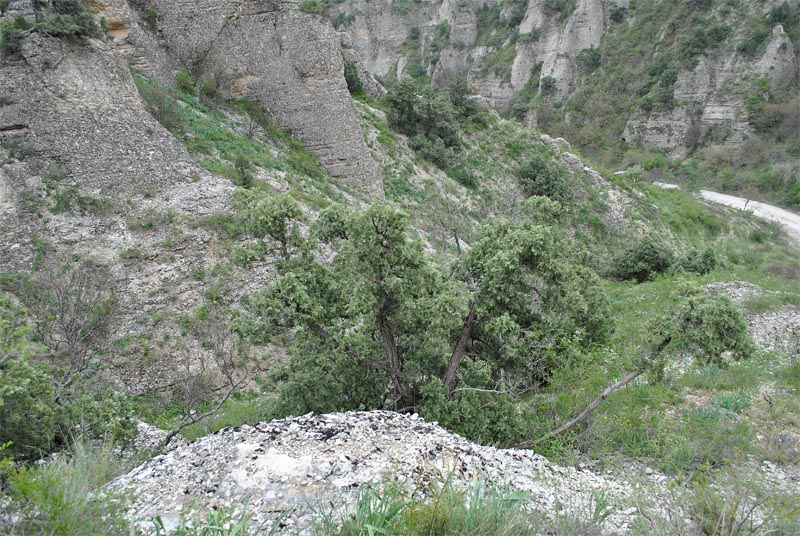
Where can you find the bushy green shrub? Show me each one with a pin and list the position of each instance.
(538, 177)
(59, 497)
(314, 7)
(487, 417)
(640, 261)
(430, 119)
(589, 60)
(44, 406)
(61, 18)
(547, 85)
(151, 17)
(11, 33)
(186, 82)
(354, 84)
(700, 262)
(618, 14)
(401, 338)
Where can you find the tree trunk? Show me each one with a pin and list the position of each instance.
(458, 351)
(394, 363)
(608, 391)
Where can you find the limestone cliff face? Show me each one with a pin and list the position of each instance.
(709, 98)
(75, 110)
(269, 51)
(380, 31)
(507, 48)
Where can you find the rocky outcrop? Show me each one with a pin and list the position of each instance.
(514, 51)
(70, 114)
(297, 466)
(710, 99)
(289, 61)
(380, 33)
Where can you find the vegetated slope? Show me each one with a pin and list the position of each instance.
(180, 255)
(612, 77)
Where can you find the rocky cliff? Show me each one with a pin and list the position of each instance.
(516, 52)
(291, 62)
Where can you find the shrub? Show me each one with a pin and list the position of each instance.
(38, 412)
(186, 82)
(59, 497)
(589, 59)
(547, 85)
(536, 177)
(440, 509)
(429, 118)
(618, 14)
(480, 416)
(701, 263)
(354, 85)
(11, 33)
(314, 7)
(244, 167)
(151, 17)
(643, 259)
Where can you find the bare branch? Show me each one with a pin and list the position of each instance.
(608, 391)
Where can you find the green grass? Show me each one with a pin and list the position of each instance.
(241, 408)
(446, 509)
(59, 497)
(238, 131)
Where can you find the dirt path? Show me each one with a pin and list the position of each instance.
(789, 220)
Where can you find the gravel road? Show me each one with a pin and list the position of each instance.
(789, 220)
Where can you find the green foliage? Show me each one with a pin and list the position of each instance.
(186, 82)
(547, 85)
(441, 36)
(643, 259)
(709, 327)
(343, 20)
(562, 8)
(354, 84)
(243, 168)
(60, 497)
(486, 417)
(430, 119)
(700, 262)
(61, 18)
(27, 395)
(151, 17)
(537, 177)
(618, 14)
(445, 509)
(276, 218)
(433, 120)
(400, 305)
(413, 111)
(216, 523)
(48, 393)
(11, 33)
(314, 7)
(589, 60)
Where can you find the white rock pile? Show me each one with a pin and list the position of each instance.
(299, 467)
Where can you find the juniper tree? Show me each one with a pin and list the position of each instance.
(383, 325)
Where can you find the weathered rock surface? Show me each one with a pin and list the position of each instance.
(709, 98)
(289, 61)
(76, 111)
(773, 331)
(298, 465)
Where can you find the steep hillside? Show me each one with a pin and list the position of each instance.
(211, 216)
(612, 76)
